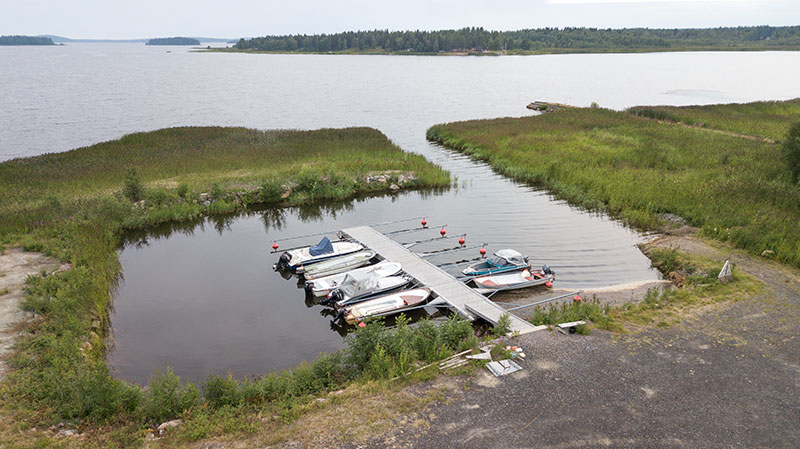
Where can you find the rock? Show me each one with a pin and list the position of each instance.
(394, 187)
(64, 267)
(673, 219)
(767, 253)
(163, 427)
(286, 193)
(151, 437)
(95, 324)
(206, 202)
(67, 433)
(204, 196)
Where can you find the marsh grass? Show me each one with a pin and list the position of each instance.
(765, 119)
(79, 205)
(735, 189)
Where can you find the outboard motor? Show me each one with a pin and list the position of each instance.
(547, 270)
(334, 297)
(283, 261)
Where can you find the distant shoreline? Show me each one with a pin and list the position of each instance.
(559, 51)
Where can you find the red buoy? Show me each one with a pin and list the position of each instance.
(548, 284)
(461, 241)
(443, 232)
(274, 246)
(577, 298)
(424, 223)
(483, 252)
(362, 324)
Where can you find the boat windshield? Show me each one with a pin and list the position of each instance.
(498, 262)
(357, 283)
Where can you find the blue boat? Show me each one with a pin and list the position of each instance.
(503, 261)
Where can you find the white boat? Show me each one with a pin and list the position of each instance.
(384, 305)
(325, 249)
(503, 261)
(515, 280)
(335, 265)
(358, 287)
(324, 285)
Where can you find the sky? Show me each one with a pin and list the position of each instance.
(115, 19)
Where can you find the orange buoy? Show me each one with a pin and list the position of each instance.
(483, 252)
(443, 232)
(577, 298)
(362, 324)
(548, 284)
(461, 241)
(424, 223)
(274, 246)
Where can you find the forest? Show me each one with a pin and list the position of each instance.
(542, 40)
(173, 41)
(25, 40)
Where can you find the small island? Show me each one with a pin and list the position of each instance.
(173, 41)
(25, 40)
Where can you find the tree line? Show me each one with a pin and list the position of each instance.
(531, 40)
(25, 40)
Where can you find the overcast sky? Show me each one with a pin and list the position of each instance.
(245, 18)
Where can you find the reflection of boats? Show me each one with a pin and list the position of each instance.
(324, 285)
(325, 249)
(335, 265)
(503, 260)
(515, 280)
(358, 287)
(382, 305)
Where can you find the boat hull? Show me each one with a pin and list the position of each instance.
(336, 265)
(384, 305)
(324, 286)
(513, 281)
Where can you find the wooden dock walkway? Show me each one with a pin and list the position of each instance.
(463, 299)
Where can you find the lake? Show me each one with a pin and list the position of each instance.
(202, 297)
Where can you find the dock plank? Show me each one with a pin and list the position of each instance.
(466, 300)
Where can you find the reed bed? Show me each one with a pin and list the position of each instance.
(735, 189)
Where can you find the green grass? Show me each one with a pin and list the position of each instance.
(636, 169)
(79, 205)
(765, 119)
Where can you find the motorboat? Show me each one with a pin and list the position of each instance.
(335, 265)
(385, 305)
(503, 261)
(514, 280)
(325, 285)
(358, 287)
(325, 249)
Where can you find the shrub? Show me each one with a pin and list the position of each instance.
(133, 189)
(221, 391)
(271, 190)
(167, 397)
(791, 151)
(503, 325)
(182, 190)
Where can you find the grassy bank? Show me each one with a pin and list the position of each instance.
(78, 205)
(736, 189)
(765, 119)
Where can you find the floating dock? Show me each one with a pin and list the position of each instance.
(466, 301)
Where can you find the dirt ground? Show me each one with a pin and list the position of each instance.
(15, 267)
(727, 376)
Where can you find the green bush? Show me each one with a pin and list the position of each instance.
(503, 326)
(221, 391)
(271, 190)
(791, 151)
(132, 189)
(167, 397)
(182, 190)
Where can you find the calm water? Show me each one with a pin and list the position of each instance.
(203, 298)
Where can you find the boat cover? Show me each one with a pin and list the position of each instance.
(510, 257)
(323, 247)
(356, 283)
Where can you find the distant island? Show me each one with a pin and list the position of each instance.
(531, 41)
(173, 41)
(25, 40)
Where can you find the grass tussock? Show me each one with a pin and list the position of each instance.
(737, 190)
(78, 205)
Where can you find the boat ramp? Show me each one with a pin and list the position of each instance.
(461, 298)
